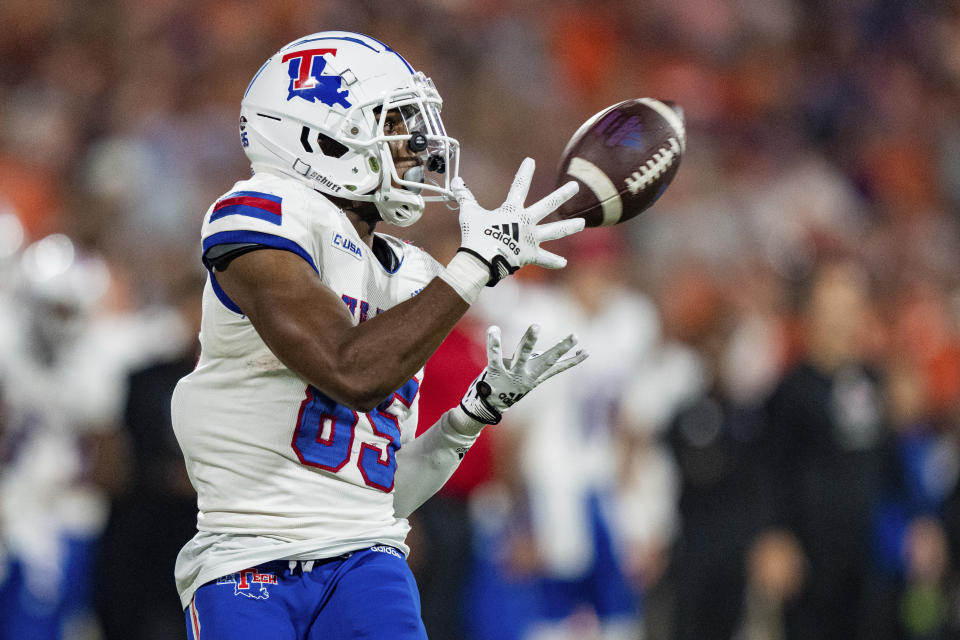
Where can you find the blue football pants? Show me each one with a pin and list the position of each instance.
(367, 594)
(40, 614)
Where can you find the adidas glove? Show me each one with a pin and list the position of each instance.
(503, 382)
(496, 243)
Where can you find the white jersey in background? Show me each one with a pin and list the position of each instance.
(47, 410)
(281, 470)
(568, 447)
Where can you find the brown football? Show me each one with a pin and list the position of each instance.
(624, 158)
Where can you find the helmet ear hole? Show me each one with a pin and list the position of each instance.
(330, 147)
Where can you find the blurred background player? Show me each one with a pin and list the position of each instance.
(61, 447)
(564, 453)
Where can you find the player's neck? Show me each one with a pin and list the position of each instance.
(364, 225)
(362, 215)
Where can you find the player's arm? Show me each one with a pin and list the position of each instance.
(307, 326)
(109, 456)
(424, 465)
(309, 329)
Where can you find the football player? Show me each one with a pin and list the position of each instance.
(583, 571)
(298, 423)
(61, 392)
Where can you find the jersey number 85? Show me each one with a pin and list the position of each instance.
(333, 451)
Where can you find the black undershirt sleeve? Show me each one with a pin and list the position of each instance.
(220, 256)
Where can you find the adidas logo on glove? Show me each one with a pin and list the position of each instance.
(505, 239)
(511, 398)
(508, 234)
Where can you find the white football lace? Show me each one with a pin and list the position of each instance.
(654, 167)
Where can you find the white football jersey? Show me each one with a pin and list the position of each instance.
(46, 410)
(566, 423)
(281, 470)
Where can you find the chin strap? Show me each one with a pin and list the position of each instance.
(401, 208)
(397, 206)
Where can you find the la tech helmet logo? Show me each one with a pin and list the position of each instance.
(305, 69)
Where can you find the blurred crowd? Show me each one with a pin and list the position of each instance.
(766, 441)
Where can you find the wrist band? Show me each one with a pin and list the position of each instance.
(466, 275)
(462, 424)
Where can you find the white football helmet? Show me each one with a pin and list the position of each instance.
(316, 111)
(60, 287)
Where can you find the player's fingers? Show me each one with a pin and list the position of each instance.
(547, 359)
(565, 363)
(494, 350)
(525, 348)
(550, 203)
(461, 192)
(559, 229)
(521, 182)
(548, 260)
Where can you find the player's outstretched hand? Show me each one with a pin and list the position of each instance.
(504, 381)
(509, 237)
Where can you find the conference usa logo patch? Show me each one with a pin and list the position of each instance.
(347, 246)
(250, 583)
(305, 69)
